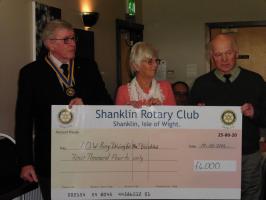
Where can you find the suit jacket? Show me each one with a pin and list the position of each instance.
(38, 89)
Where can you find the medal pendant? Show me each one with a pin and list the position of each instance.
(70, 91)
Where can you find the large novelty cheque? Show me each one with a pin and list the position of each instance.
(160, 152)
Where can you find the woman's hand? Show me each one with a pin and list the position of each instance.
(149, 102)
(153, 101)
(135, 104)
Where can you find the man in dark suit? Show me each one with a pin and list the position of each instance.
(44, 83)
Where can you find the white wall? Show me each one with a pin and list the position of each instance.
(177, 28)
(15, 51)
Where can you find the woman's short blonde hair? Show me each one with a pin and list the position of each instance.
(139, 52)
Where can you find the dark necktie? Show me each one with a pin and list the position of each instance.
(64, 67)
(227, 78)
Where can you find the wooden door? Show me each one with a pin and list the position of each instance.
(127, 34)
(125, 45)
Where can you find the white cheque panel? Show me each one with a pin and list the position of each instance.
(163, 152)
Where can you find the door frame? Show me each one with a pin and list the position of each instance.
(121, 26)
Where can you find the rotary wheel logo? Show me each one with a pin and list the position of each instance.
(65, 116)
(228, 117)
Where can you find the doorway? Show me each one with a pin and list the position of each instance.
(127, 34)
(251, 40)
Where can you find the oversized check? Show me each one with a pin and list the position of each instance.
(160, 152)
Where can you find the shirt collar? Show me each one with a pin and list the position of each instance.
(234, 74)
(56, 62)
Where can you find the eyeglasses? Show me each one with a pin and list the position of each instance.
(150, 61)
(66, 40)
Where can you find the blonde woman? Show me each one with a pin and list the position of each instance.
(144, 89)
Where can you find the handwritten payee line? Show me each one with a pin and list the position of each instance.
(103, 149)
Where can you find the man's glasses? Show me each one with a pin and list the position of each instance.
(152, 60)
(66, 40)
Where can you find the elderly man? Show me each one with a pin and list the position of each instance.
(230, 85)
(57, 79)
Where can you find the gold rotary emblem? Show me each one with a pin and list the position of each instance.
(65, 116)
(70, 91)
(228, 117)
